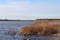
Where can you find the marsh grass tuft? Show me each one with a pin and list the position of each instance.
(40, 29)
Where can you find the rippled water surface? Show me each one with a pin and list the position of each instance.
(6, 26)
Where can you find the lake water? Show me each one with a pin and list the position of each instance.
(6, 26)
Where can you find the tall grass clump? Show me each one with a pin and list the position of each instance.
(39, 29)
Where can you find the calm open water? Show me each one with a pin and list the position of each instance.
(6, 26)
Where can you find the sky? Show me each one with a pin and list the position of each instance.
(29, 9)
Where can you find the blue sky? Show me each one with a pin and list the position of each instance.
(29, 9)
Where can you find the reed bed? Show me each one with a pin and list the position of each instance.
(40, 29)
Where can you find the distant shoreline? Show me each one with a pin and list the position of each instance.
(19, 20)
(30, 20)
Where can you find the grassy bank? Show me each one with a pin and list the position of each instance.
(40, 29)
(47, 20)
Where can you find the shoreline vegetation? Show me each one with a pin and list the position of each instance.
(47, 20)
(41, 27)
